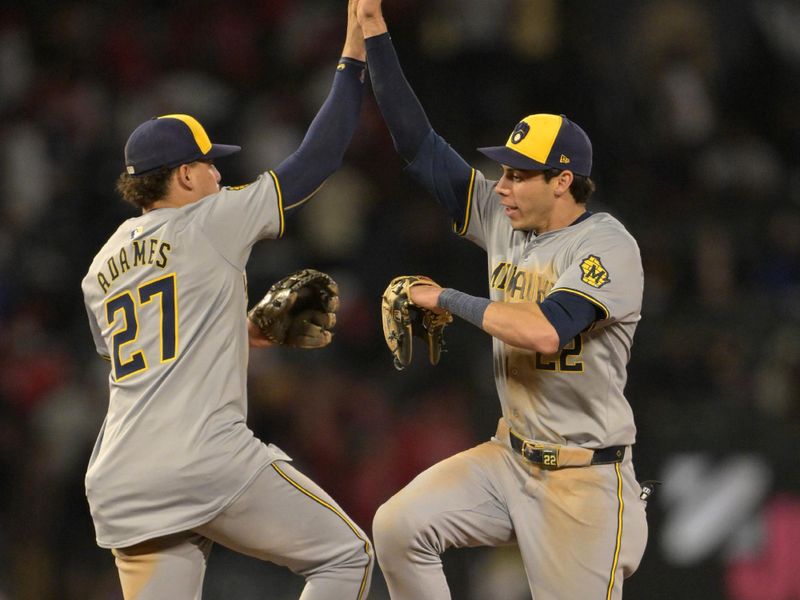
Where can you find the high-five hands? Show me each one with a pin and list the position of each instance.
(370, 17)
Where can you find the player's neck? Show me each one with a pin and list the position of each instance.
(562, 216)
(172, 202)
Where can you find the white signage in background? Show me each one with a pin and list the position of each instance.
(709, 504)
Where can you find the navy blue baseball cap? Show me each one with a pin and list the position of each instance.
(169, 141)
(543, 141)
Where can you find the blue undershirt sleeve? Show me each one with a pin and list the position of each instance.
(323, 147)
(406, 119)
(569, 314)
(443, 172)
(431, 160)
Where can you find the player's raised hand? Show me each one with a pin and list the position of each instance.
(368, 9)
(370, 17)
(354, 40)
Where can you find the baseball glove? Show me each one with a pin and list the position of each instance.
(299, 310)
(402, 319)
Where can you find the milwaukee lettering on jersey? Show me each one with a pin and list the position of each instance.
(519, 284)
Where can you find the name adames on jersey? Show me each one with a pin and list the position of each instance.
(139, 253)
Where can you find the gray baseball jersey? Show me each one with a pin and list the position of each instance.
(489, 495)
(580, 523)
(573, 397)
(166, 297)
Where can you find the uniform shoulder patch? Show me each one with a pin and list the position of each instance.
(593, 271)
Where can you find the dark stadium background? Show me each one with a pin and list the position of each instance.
(692, 107)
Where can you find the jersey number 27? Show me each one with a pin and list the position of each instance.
(123, 308)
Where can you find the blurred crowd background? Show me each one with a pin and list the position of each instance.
(693, 108)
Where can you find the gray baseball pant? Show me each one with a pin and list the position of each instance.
(282, 517)
(580, 531)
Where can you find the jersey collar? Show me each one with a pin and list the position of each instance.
(530, 235)
(585, 215)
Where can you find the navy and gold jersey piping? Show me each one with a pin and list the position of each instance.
(467, 211)
(280, 202)
(586, 296)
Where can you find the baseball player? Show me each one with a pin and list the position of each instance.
(565, 292)
(175, 467)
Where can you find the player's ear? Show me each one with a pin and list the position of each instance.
(183, 177)
(563, 181)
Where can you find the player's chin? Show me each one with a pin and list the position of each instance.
(514, 218)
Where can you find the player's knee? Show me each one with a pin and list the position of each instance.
(388, 536)
(350, 563)
(358, 553)
(397, 529)
(363, 555)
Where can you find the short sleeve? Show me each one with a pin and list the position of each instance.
(483, 215)
(465, 193)
(237, 217)
(605, 267)
(99, 340)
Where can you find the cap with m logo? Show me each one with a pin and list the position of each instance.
(169, 141)
(545, 141)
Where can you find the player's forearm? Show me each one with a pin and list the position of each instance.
(402, 111)
(332, 128)
(519, 324)
(522, 325)
(324, 145)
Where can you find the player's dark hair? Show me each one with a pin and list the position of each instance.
(143, 190)
(581, 188)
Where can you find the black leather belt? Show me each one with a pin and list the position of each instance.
(548, 456)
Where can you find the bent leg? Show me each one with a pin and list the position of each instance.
(580, 531)
(172, 566)
(286, 518)
(455, 503)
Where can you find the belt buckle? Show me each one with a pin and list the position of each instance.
(540, 454)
